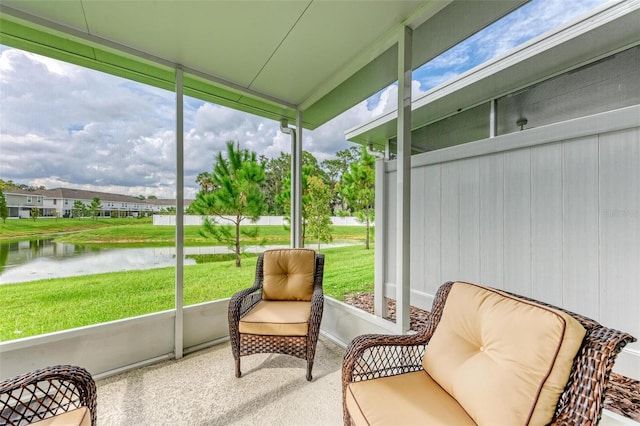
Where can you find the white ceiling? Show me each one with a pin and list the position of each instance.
(319, 56)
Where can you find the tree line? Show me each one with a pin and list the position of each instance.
(243, 186)
(8, 185)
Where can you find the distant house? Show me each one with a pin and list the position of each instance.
(59, 202)
(62, 200)
(20, 202)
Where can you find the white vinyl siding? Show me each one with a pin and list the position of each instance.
(552, 213)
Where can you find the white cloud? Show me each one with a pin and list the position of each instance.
(530, 21)
(62, 125)
(389, 99)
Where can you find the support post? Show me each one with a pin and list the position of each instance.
(297, 178)
(381, 251)
(403, 206)
(179, 329)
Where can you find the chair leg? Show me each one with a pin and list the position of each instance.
(238, 373)
(309, 367)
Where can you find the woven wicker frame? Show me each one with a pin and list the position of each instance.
(373, 355)
(47, 392)
(303, 347)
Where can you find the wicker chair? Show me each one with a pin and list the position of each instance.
(46, 393)
(375, 356)
(287, 279)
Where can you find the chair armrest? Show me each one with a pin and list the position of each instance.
(45, 393)
(371, 356)
(378, 355)
(242, 301)
(582, 399)
(317, 300)
(317, 308)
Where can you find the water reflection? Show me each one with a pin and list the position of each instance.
(40, 259)
(20, 252)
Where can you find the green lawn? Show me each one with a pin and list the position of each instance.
(21, 229)
(141, 232)
(52, 305)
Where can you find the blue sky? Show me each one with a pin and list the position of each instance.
(65, 126)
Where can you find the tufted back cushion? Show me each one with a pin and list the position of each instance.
(288, 274)
(505, 360)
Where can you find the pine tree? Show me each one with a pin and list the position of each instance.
(358, 187)
(236, 194)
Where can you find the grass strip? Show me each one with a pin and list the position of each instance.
(46, 306)
(22, 229)
(142, 232)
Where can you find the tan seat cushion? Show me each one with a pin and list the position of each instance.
(288, 274)
(78, 417)
(406, 399)
(277, 318)
(506, 361)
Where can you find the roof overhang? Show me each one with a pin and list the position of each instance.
(269, 58)
(609, 28)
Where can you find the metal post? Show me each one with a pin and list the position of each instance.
(381, 251)
(296, 181)
(179, 343)
(493, 119)
(403, 207)
(297, 177)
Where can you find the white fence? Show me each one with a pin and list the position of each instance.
(170, 220)
(551, 212)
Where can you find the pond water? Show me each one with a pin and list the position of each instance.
(40, 259)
